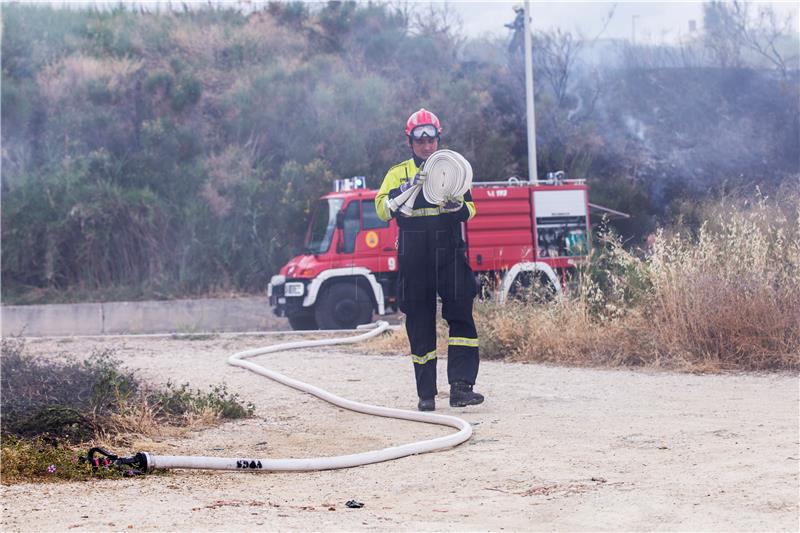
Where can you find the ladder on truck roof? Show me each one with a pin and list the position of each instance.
(516, 182)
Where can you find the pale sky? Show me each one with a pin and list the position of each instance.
(653, 22)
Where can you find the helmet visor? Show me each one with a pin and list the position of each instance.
(426, 130)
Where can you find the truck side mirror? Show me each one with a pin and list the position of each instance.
(340, 220)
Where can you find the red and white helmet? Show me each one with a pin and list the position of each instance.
(415, 125)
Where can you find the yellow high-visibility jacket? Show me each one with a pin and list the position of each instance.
(401, 173)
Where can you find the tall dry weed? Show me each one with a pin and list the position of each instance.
(562, 332)
(731, 297)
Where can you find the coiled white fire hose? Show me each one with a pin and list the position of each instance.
(447, 175)
(316, 463)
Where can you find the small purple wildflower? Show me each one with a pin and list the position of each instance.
(51, 469)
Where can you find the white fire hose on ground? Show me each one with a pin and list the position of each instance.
(447, 175)
(143, 461)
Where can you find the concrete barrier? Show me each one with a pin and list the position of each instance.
(69, 319)
(173, 316)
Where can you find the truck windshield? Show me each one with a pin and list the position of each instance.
(323, 223)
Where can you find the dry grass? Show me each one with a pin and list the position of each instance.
(265, 37)
(731, 297)
(63, 80)
(143, 419)
(563, 332)
(725, 298)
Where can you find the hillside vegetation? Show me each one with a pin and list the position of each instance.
(161, 154)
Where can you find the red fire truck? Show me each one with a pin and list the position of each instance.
(524, 234)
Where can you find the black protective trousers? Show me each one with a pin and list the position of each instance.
(432, 260)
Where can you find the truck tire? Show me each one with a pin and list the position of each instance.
(303, 321)
(532, 288)
(343, 305)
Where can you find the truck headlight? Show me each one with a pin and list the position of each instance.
(293, 289)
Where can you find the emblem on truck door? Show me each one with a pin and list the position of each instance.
(371, 238)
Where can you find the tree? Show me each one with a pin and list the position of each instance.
(731, 30)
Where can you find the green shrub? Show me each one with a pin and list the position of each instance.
(159, 80)
(177, 401)
(186, 93)
(65, 400)
(70, 401)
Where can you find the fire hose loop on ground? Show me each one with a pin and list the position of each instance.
(146, 461)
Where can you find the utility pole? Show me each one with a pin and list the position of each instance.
(532, 174)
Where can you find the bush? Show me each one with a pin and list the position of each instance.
(52, 409)
(177, 401)
(74, 401)
(65, 400)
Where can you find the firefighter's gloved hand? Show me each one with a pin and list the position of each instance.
(406, 193)
(451, 205)
(418, 179)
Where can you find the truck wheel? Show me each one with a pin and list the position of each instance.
(303, 322)
(343, 306)
(532, 288)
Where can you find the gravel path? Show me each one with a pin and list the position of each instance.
(553, 449)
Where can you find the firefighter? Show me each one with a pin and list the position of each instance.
(432, 260)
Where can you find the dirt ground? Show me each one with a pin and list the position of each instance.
(553, 449)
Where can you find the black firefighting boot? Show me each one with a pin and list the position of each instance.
(426, 405)
(462, 395)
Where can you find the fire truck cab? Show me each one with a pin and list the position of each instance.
(524, 235)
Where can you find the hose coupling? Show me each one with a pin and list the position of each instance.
(101, 458)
